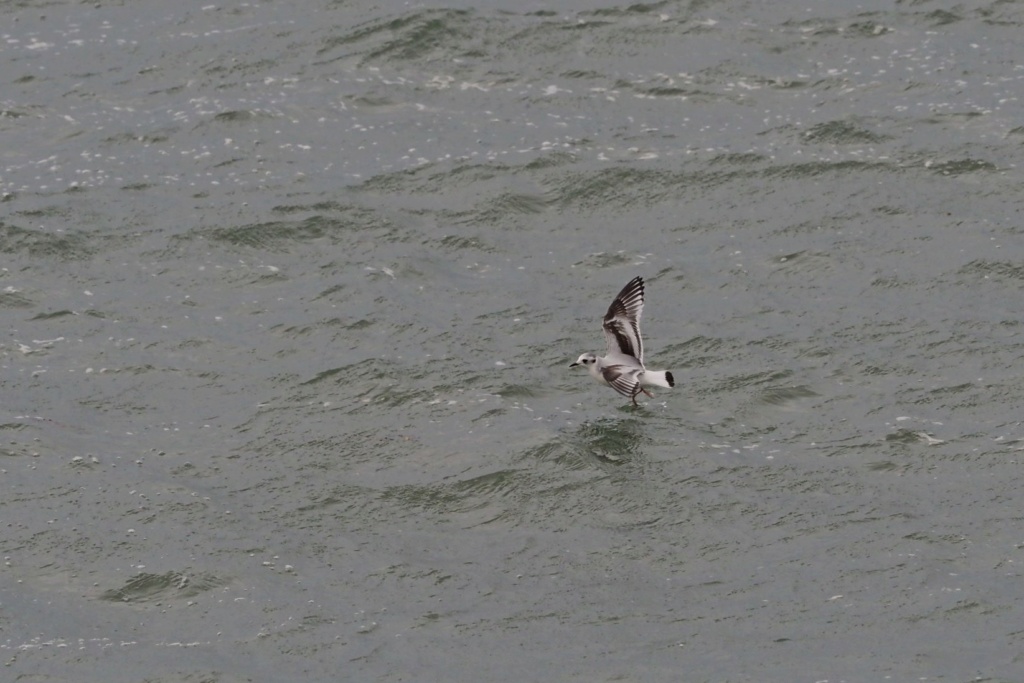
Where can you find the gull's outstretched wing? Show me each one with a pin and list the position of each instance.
(622, 379)
(622, 321)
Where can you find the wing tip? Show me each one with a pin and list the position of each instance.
(635, 283)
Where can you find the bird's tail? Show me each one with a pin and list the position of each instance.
(659, 378)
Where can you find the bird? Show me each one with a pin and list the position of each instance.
(623, 367)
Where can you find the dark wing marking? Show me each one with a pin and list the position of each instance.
(621, 380)
(622, 321)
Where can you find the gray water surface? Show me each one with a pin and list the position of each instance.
(289, 292)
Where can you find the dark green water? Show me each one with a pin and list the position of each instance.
(289, 292)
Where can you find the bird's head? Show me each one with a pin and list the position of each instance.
(586, 359)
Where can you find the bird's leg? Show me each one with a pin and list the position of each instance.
(649, 394)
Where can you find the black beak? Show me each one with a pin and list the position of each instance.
(574, 365)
